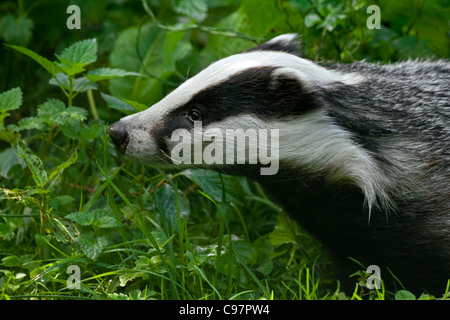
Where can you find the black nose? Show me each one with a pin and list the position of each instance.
(119, 135)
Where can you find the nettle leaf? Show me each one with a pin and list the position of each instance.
(82, 218)
(33, 162)
(73, 113)
(104, 219)
(79, 54)
(50, 110)
(91, 131)
(108, 73)
(11, 99)
(54, 112)
(91, 245)
(48, 65)
(97, 218)
(28, 123)
(107, 222)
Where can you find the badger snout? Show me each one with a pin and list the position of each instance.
(119, 135)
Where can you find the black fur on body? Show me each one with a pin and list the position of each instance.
(398, 115)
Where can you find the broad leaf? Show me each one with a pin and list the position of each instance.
(28, 123)
(83, 218)
(91, 245)
(107, 222)
(80, 53)
(11, 99)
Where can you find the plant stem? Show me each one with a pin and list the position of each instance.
(70, 95)
(92, 105)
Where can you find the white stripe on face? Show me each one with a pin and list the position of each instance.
(306, 71)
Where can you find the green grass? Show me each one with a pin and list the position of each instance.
(238, 248)
(68, 201)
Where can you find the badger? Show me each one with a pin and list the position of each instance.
(362, 150)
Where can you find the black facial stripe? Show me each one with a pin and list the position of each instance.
(253, 91)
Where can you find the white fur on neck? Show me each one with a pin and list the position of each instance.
(313, 144)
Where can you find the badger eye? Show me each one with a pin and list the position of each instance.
(194, 115)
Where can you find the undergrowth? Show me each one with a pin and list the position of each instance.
(79, 222)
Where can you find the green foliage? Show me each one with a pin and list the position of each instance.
(67, 198)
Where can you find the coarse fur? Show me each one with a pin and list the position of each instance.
(364, 149)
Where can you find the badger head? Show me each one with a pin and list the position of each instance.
(265, 99)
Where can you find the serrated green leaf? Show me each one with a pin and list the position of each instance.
(72, 113)
(82, 218)
(10, 100)
(28, 124)
(33, 162)
(107, 222)
(91, 131)
(48, 65)
(79, 54)
(92, 246)
(54, 112)
(50, 111)
(108, 73)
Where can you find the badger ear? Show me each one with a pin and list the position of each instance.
(291, 93)
(286, 43)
